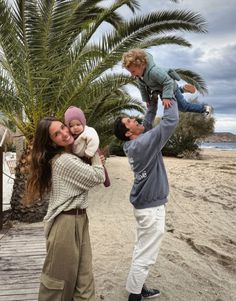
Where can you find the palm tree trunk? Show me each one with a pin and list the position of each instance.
(32, 213)
(19, 142)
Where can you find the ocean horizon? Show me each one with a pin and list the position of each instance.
(229, 145)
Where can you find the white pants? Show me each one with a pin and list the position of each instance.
(150, 231)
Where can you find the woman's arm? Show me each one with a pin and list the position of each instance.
(74, 171)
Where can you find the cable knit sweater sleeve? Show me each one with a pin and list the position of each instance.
(78, 174)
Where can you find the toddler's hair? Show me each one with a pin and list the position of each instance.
(135, 57)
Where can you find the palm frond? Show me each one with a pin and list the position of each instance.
(49, 58)
(194, 79)
(166, 40)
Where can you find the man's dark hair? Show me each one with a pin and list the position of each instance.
(120, 129)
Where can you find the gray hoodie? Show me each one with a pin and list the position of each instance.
(150, 188)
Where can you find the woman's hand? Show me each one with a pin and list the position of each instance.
(102, 157)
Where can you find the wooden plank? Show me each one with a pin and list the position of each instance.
(15, 280)
(19, 290)
(24, 297)
(1, 188)
(22, 253)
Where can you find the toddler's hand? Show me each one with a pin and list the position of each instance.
(166, 102)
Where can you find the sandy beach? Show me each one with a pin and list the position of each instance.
(197, 260)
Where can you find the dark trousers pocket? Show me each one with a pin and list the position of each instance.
(51, 289)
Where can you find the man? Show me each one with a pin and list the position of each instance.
(150, 189)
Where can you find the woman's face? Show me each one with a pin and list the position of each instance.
(60, 134)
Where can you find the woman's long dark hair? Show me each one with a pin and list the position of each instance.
(40, 176)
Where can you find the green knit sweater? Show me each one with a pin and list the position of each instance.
(71, 180)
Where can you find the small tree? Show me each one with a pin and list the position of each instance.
(191, 128)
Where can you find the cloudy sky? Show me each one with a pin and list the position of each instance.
(212, 55)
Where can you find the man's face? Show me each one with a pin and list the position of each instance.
(137, 71)
(134, 127)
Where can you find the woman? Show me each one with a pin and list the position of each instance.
(55, 171)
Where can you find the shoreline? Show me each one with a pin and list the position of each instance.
(220, 145)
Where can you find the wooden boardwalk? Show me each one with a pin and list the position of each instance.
(22, 252)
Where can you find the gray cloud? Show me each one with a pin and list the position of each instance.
(213, 55)
(220, 63)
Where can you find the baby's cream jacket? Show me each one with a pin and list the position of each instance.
(87, 143)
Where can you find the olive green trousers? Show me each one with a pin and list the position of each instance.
(67, 272)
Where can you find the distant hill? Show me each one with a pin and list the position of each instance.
(220, 137)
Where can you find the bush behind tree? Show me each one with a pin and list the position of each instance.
(191, 129)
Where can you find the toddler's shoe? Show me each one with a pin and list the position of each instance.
(208, 111)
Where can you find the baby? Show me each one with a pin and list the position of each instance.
(86, 141)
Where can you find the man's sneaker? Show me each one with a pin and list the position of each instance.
(149, 292)
(208, 111)
(135, 297)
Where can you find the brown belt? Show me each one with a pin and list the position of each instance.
(76, 211)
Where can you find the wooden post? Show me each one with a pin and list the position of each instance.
(1, 187)
(1, 179)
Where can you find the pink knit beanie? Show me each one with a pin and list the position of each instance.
(74, 113)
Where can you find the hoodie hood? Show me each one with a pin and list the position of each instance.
(150, 64)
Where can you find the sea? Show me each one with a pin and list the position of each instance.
(220, 145)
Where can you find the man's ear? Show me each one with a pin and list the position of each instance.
(128, 134)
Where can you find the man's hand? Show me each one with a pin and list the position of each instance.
(166, 102)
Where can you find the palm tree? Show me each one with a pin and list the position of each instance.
(50, 59)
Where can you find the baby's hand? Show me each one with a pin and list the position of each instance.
(166, 102)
